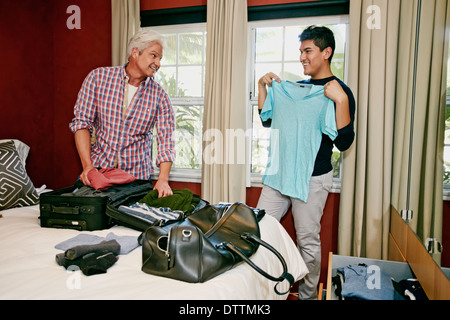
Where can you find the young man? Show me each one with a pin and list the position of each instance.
(306, 133)
(122, 105)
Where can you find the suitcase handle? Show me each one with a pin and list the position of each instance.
(66, 210)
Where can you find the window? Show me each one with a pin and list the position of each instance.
(182, 75)
(274, 47)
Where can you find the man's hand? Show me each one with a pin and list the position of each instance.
(267, 80)
(162, 185)
(262, 90)
(84, 176)
(334, 91)
(163, 188)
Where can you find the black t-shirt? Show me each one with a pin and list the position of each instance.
(345, 136)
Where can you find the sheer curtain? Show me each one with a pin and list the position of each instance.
(125, 23)
(223, 165)
(381, 75)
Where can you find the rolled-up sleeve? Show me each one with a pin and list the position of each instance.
(166, 131)
(84, 109)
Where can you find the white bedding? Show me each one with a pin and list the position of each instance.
(28, 269)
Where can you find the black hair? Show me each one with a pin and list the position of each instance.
(323, 37)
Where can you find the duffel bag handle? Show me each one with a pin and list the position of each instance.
(284, 276)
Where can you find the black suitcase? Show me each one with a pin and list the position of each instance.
(84, 208)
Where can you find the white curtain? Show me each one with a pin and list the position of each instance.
(224, 124)
(125, 23)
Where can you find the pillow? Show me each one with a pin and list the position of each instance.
(21, 148)
(16, 188)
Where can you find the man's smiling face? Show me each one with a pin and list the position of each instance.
(314, 60)
(148, 61)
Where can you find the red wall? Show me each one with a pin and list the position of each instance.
(75, 53)
(26, 102)
(43, 65)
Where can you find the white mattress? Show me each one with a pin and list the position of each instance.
(28, 269)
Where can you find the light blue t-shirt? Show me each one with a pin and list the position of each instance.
(300, 114)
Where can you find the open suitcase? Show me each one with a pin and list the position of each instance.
(84, 208)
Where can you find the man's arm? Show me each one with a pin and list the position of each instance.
(166, 145)
(83, 144)
(345, 108)
(334, 91)
(264, 81)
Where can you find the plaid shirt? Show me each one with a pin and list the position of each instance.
(99, 105)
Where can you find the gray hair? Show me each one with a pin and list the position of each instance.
(142, 39)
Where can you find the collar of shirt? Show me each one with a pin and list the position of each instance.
(126, 77)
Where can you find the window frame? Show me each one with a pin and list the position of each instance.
(183, 174)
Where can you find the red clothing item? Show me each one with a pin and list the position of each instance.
(103, 179)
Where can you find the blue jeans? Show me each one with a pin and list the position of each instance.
(307, 216)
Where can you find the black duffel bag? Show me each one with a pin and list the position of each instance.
(206, 244)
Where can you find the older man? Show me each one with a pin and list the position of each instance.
(122, 105)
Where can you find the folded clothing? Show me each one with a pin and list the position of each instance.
(127, 243)
(97, 263)
(81, 250)
(102, 179)
(410, 289)
(357, 283)
(91, 259)
(151, 214)
(90, 264)
(181, 199)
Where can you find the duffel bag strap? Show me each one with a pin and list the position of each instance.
(284, 276)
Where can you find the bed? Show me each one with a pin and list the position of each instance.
(29, 270)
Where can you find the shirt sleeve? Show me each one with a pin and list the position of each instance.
(329, 127)
(166, 131)
(85, 110)
(267, 110)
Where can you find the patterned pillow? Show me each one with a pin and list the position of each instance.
(16, 188)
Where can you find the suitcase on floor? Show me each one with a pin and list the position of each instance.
(84, 208)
